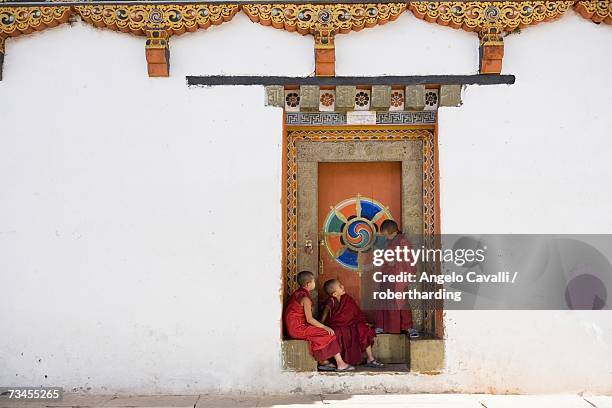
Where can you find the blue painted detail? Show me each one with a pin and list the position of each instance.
(369, 209)
(349, 259)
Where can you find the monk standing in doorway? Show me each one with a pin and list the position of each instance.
(398, 316)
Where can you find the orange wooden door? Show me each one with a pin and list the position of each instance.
(353, 200)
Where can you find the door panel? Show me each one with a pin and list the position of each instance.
(353, 199)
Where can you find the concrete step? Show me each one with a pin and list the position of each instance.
(424, 354)
(297, 357)
(392, 348)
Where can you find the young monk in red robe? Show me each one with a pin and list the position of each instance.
(301, 325)
(341, 313)
(399, 318)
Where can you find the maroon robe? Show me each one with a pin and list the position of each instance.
(398, 316)
(349, 324)
(322, 344)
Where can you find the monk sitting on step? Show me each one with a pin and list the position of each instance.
(302, 325)
(341, 313)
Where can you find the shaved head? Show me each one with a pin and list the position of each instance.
(304, 278)
(330, 286)
(389, 225)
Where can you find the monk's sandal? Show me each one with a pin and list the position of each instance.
(326, 367)
(374, 364)
(349, 368)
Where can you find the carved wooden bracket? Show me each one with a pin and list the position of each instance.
(16, 21)
(157, 53)
(158, 23)
(599, 11)
(325, 52)
(491, 20)
(323, 21)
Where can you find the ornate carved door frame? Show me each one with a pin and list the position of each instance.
(306, 146)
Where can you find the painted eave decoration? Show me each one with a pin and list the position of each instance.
(158, 21)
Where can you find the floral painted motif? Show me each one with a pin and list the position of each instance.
(431, 100)
(327, 99)
(397, 100)
(292, 101)
(362, 98)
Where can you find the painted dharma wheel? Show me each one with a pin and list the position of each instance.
(351, 230)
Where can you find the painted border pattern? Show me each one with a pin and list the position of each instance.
(339, 118)
(406, 118)
(315, 118)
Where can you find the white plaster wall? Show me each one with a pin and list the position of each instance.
(140, 220)
(533, 158)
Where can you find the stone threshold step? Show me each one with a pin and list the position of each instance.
(422, 355)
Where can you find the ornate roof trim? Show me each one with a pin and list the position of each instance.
(598, 11)
(491, 20)
(159, 21)
(479, 16)
(173, 19)
(311, 18)
(16, 21)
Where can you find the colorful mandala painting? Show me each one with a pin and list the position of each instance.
(352, 228)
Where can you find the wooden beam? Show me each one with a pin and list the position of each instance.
(216, 80)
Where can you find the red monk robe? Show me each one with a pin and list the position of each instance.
(322, 344)
(400, 317)
(349, 324)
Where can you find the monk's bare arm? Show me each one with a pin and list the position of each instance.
(324, 315)
(307, 304)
